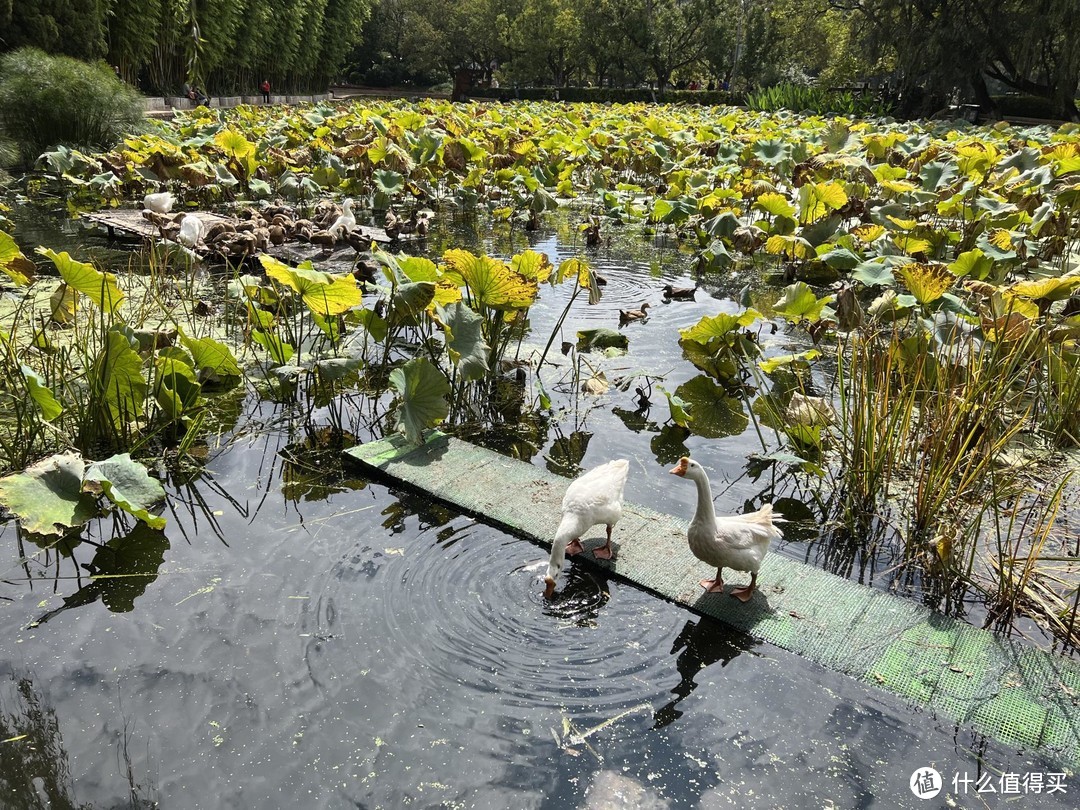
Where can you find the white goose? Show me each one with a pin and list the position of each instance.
(160, 203)
(346, 223)
(592, 498)
(191, 230)
(735, 541)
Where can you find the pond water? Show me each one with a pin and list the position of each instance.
(300, 637)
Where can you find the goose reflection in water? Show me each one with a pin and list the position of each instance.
(703, 643)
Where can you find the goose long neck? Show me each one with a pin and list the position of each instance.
(704, 514)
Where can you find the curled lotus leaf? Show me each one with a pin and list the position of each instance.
(1046, 289)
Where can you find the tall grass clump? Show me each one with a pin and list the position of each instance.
(49, 100)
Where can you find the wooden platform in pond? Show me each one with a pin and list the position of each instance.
(131, 223)
(1013, 692)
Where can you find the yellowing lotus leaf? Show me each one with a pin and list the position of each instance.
(324, 294)
(902, 224)
(1001, 239)
(818, 199)
(775, 204)
(234, 145)
(867, 233)
(532, 265)
(1046, 289)
(912, 244)
(792, 246)
(927, 282)
(490, 282)
(712, 327)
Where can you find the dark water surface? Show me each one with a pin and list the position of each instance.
(329, 642)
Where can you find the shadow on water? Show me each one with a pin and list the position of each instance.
(702, 643)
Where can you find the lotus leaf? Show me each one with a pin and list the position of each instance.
(465, 340)
(99, 287)
(127, 484)
(713, 414)
(927, 282)
(323, 293)
(491, 284)
(422, 389)
(47, 497)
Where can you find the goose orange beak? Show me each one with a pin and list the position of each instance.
(680, 468)
(549, 587)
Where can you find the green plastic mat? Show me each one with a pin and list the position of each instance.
(1012, 692)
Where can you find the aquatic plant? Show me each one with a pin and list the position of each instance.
(47, 100)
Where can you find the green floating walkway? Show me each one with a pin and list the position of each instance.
(1014, 693)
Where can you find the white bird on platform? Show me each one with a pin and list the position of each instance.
(595, 497)
(734, 541)
(191, 229)
(160, 203)
(346, 223)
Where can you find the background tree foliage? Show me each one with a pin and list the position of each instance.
(223, 45)
(925, 53)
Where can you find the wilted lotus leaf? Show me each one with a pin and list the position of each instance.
(13, 263)
(927, 282)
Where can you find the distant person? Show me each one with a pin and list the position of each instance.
(196, 95)
(264, 88)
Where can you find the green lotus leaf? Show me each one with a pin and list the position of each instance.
(601, 338)
(422, 389)
(99, 287)
(799, 303)
(41, 394)
(874, 273)
(47, 497)
(714, 414)
(973, 264)
(677, 407)
(465, 340)
(127, 484)
(117, 375)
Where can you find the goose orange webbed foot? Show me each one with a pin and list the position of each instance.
(574, 547)
(603, 552)
(743, 594)
(713, 585)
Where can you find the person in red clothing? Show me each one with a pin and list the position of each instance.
(264, 88)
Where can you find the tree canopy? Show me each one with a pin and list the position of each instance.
(928, 52)
(225, 45)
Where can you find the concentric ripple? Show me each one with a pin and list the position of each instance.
(462, 605)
